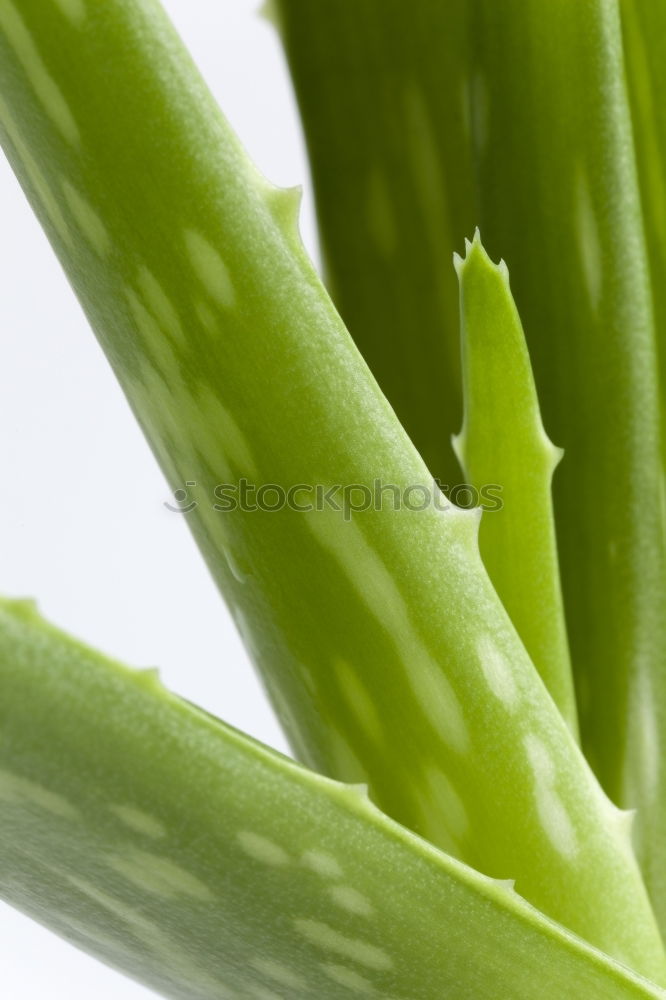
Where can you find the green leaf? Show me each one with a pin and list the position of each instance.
(643, 787)
(384, 647)
(530, 137)
(209, 867)
(382, 90)
(560, 202)
(644, 35)
(503, 442)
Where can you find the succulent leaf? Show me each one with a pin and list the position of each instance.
(209, 867)
(384, 646)
(503, 447)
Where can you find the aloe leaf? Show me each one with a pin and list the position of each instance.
(208, 866)
(503, 442)
(644, 35)
(540, 94)
(560, 201)
(385, 648)
(370, 79)
(644, 32)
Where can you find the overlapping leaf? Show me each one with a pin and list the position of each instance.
(211, 868)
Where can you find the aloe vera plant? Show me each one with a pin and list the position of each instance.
(418, 660)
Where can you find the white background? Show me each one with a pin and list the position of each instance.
(83, 527)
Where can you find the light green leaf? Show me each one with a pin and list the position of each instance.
(644, 35)
(531, 138)
(560, 202)
(382, 88)
(643, 777)
(211, 868)
(508, 458)
(384, 646)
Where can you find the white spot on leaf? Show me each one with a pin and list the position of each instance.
(359, 700)
(262, 849)
(438, 700)
(21, 791)
(323, 864)
(74, 11)
(278, 972)
(138, 821)
(172, 957)
(350, 899)
(45, 87)
(210, 269)
(328, 938)
(552, 812)
(87, 219)
(222, 430)
(35, 176)
(155, 874)
(556, 821)
(159, 304)
(541, 761)
(349, 978)
(206, 317)
(379, 591)
(497, 671)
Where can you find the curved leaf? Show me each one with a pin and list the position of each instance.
(211, 868)
(385, 648)
(503, 442)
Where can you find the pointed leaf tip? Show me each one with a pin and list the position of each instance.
(476, 253)
(22, 607)
(268, 11)
(458, 445)
(150, 678)
(285, 205)
(625, 819)
(503, 441)
(557, 454)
